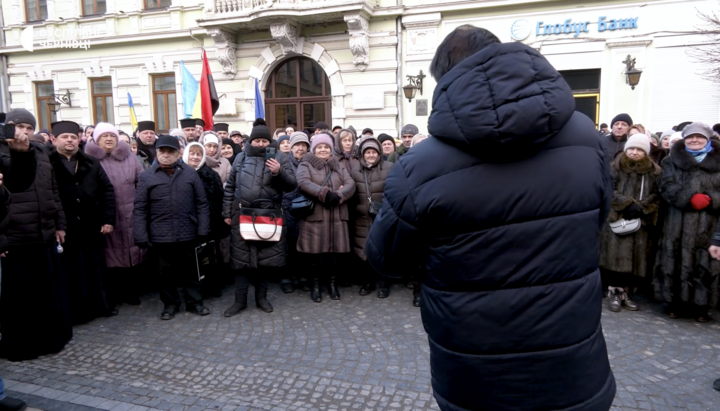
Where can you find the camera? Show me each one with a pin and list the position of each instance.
(7, 131)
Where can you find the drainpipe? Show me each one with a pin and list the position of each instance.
(400, 95)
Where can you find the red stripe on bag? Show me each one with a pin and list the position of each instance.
(246, 219)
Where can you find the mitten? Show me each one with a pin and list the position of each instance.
(700, 201)
(332, 199)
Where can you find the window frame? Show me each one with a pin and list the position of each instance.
(158, 5)
(165, 93)
(103, 95)
(95, 9)
(37, 10)
(52, 116)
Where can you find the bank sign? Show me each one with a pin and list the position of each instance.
(521, 29)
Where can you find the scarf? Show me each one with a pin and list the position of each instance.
(213, 161)
(700, 154)
(169, 169)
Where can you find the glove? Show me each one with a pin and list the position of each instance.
(332, 199)
(700, 201)
(633, 211)
(143, 244)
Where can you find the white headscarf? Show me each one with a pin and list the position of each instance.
(186, 154)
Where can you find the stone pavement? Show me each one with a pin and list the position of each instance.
(360, 353)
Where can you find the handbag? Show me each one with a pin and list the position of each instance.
(625, 227)
(302, 206)
(373, 206)
(261, 224)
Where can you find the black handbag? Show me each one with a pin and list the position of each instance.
(303, 206)
(373, 206)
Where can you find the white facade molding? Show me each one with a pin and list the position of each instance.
(418, 21)
(225, 51)
(359, 44)
(37, 73)
(285, 34)
(613, 43)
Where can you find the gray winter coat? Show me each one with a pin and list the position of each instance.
(250, 180)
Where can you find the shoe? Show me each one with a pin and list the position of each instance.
(109, 313)
(366, 289)
(416, 301)
(168, 313)
(287, 288)
(134, 300)
(332, 288)
(716, 385)
(261, 300)
(383, 292)
(12, 404)
(614, 303)
(239, 305)
(304, 285)
(627, 303)
(315, 293)
(199, 309)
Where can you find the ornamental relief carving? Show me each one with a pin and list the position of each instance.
(285, 34)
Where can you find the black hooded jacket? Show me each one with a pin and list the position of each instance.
(509, 235)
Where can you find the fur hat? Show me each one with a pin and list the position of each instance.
(622, 117)
(186, 154)
(697, 127)
(321, 138)
(640, 141)
(299, 137)
(103, 128)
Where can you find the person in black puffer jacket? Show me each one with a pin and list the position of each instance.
(508, 230)
(255, 183)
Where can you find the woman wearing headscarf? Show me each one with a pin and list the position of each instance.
(324, 235)
(213, 158)
(686, 277)
(624, 258)
(121, 254)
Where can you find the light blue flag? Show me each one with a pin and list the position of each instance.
(189, 90)
(259, 107)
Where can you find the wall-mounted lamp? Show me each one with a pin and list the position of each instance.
(414, 83)
(632, 75)
(57, 100)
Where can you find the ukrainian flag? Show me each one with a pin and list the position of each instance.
(133, 118)
(190, 91)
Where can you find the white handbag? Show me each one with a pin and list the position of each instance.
(625, 227)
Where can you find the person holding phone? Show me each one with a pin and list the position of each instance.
(257, 180)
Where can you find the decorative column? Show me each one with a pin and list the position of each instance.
(285, 33)
(359, 44)
(225, 51)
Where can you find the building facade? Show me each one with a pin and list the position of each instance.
(342, 62)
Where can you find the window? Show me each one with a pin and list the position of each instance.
(43, 94)
(585, 85)
(94, 7)
(165, 104)
(156, 4)
(36, 10)
(298, 94)
(102, 101)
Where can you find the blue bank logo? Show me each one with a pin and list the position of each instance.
(520, 30)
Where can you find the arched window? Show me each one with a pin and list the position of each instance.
(298, 94)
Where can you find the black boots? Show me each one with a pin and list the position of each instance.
(366, 289)
(261, 300)
(239, 304)
(332, 287)
(315, 293)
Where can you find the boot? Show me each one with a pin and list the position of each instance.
(366, 289)
(627, 303)
(334, 292)
(614, 303)
(12, 404)
(315, 294)
(261, 300)
(239, 304)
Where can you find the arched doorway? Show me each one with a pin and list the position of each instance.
(298, 94)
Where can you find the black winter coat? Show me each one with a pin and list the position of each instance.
(87, 197)
(250, 180)
(293, 226)
(507, 234)
(612, 147)
(36, 211)
(214, 191)
(170, 208)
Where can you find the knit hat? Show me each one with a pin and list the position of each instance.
(321, 126)
(409, 129)
(622, 117)
(370, 142)
(20, 116)
(666, 133)
(367, 130)
(697, 127)
(384, 137)
(283, 137)
(299, 137)
(228, 141)
(209, 139)
(260, 132)
(321, 138)
(675, 137)
(638, 141)
(186, 154)
(103, 128)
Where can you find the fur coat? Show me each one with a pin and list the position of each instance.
(629, 253)
(326, 229)
(376, 175)
(684, 270)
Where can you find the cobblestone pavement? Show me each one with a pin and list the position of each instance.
(360, 353)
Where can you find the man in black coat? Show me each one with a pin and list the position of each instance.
(146, 139)
(614, 143)
(503, 208)
(88, 199)
(172, 215)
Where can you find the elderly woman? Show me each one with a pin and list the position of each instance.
(685, 275)
(255, 182)
(624, 257)
(369, 176)
(324, 234)
(214, 159)
(346, 149)
(121, 254)
(284, 144)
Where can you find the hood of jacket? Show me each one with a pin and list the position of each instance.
(186, 155)
(121, 152)
(501, 103)
(338, 145)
